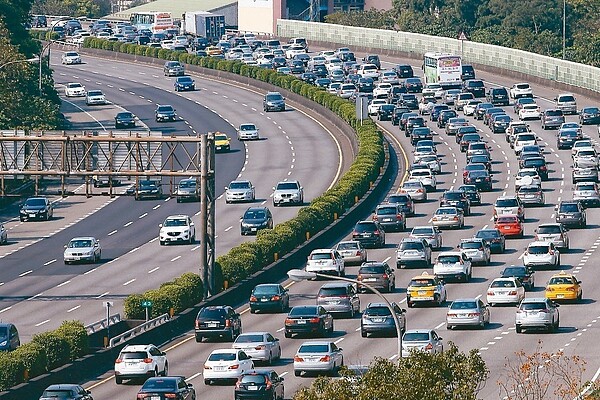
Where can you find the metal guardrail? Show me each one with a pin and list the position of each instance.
(102, 324)
(130, 334)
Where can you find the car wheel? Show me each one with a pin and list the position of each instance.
(270, 359)
(207, 382)
(288, 335)
(162, 242)
(297, 373)
(155, 372)
(580, 296)
(166, 370)
(363, 333)
(449, 327)
(198, 338)
(118, 380)
(518, 329)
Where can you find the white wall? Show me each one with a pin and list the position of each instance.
(256, 16)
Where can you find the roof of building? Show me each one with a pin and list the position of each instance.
(176, 8)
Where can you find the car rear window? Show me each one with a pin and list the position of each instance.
(554, 113)
(416, 337)
(507, 203)
(305, 310)
(379, 311)
(448, 259)
(386, 210)
(463, 305)
(133, 355)
(365, 227)
(538, 249)
(254, 378)
(313, 348)
(422, 282)
(58, 394)
(502, 284)
(222, 357)
(371, 269)
(249, 338)
(569, 207)
(507, 220)
(470, 245)
(266, 289)
(211, 313)
(533, 306)
(332, 291)
(347, 246)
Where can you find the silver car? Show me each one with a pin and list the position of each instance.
(540, 313)
(553, 232)
(3, 234)
(415, 189)
(82, 249)
(260, 346)
(426, 340)
(531, 195)
(319, 357)
(448, 217)
(377, 319)
(188, 190)
(247, 131)
(352, 251)
(432, 234)
(413, 251)
(467, 312)
(477, 249)
(339, 298)
(239, 191)
(587, 193)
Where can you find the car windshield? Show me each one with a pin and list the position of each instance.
(314, 348)
(378, 311)
(220, 137)
(533, 306)
(71, 54)
(448, 259)
(409, 245)
(187, 184)
(95, 93)
(463, 305)
(470, 245)
(589, 186)
(164, 109)
(255, 214)
(175, 222)
(184, 79)
(163, 384)
(507, 203)
(321, 256)
(125, 115)
(35, 202)
(75, 85)
(347, 246)
(525, 137)
(287, 186)
(421, 282)
(59, 394)
(538, 249)
(239, 185)
(467, 129)
(569, 207)
(249, 338)
(421, 172)
(416, 337)
(514, 271)
(79, 243)
(222, 357)
(487, 234)
(303, 310)
(274, 97)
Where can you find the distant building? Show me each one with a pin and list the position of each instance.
(261, 16)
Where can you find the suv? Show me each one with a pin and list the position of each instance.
(413, 251)
(369, 233)
(9, 337)
(217, 321)
(566, 103)
(571, 212)
(94, 97)
(430, 233)
(325, 261)
(477, 249)
(273, 101)
(453, 264)
(177, 228)
(456, 198)
(474, 86)
(255, 219)
(498, 96)
(140, 361)
(173, 68)
(509, 205)
(553, 232)
(40, 208)
(552, 118)
(467, 72)
(288, 192)
(537, 313)
(377, 318)
(339, 297)
(390, 217)
(378, 275)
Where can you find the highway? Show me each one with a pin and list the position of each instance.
(578, 323)
(34, 279)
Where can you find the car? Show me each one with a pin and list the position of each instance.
(377, 319)
(505, 291)
(318, 357)
(409, 100)
(430, 233)
(458, 199)
(471, 193)
(125, 119)
(373, 107)
(539, 163)
(589, 116)
(552, 118)
(566, 138)
(413, 85)
(448, 217)
(405, 202)
(426, 340)
(352, 252)
(273, 101)
(453, 265)
(459, 129)
(468, 138)
(260, 385)
(9, 337)
(478, 250)
(425, 176)
(427, 289)
(369, 234)
(529, 111)
(339, 298)
(404, 71)
(541, 254)
(70, 57)
(553, 232)
(173, 68)
(269, 296)
(519, 90)
(66, 391)
(95, 97)
(566, 103)
(462, 99)
(226, 365)
(255, 219)
(325, 261)
(498, 96)
(585, 157)
(239, 191)
(433, 89)
(480, 178)
(531, 195)
(164, 113)
(467, 312)
(36, 208)
(499, 123)
(146, 188)
(510, 225)
(391, 217)
(82, 249)
(217, 321)
(537, 313)
(522, 140)
(587, 193)
(74, 89)
(378, 275)
(260, 346)
(509, 205)
(288, 192)
(450, 96)
(469, 107)
(188, 190)
(584, 174)
(477, 148)
(177, 229)
(564, 286)
(418, 124)
(494, 238)
(571, 213)
(3, 235)
(415, 189)
(527, 177)
(474, 86)
(184, 83)
(525, 274)
(140, 362)
(384, 112)
(308, 320)
(382, 88)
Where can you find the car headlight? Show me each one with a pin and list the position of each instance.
(3, 343)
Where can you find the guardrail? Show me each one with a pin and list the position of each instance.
(103, 324)
(138, 330)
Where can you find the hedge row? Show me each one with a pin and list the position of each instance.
(250, 257)
(46, 351)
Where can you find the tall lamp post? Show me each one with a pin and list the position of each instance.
(34, 59)
(564, 30)
(301, 275)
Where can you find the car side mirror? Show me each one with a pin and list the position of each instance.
(226, 188)
(190, 385)
(65, 246)
(273, 187)
(440, 338)
(160, 225)
(162, 353)
(340, 349)
(281, 379)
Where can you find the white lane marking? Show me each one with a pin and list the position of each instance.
(339, 340)
(129, 281)
(440, 325)
(5, 309)
(175, 258)
(143, 215)
(127, 224)
(153, 270)
(112, 233)
(25, 273)
(228, 228)
(280, 329)
(73, 308)
(156, 206)
(63, 284)
(49, 262)
(42, 323)
(197, 374)
(102, 295)
(195, 248)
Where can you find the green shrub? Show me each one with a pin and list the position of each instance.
(33, 358)
(76, 336)
(133, 306)
(56, 348)
(12, 370)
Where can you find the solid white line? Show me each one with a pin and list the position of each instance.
(63, 284)
(42, 323)
(5, 309)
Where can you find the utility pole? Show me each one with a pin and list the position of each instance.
(207, 212)
(564, 21)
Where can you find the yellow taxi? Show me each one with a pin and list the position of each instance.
(213, 51)
(222, 142)
(425, 288)
(563, 286)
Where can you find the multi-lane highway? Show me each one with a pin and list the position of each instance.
(499, 340)
(39, 292)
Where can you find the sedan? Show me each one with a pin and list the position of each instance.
(448, 217)
(82, 249)
(184, 83)
(94, 97)
(260, 346)
(563, 286)
(167, 387)
(247, 131)
(480, 178)
(525, 274)
(531, 195)
(589, 116)
(308, 320)
(226, 365)
(74, 89)
(510, 225)
(319, 357)
(378, 275)
(415, 189)
(269, 296)
(352, 251)
(467, 312)
(495, 239)
(125, 119)
(377, 319)
(505, 291)
(259, 385)
(71, 57)
(164, 113)
(431, 234)
(66, 391)
(426, 340)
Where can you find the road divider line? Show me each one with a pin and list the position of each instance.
(73, 308)
(129, 281)
(49, 262)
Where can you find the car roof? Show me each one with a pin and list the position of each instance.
(533, 300)
(466, 299)
(255, 333)
(224, 351)
(177, 216)
(136, 347)
(539, 243)
(418, 331)
(327, 342)
(336, 285)
(450, 253)
(84, 238)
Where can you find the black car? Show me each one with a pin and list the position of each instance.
(467, 139)
(498, 96)
(500, 123)
(458, 199)
(279, 62)
(481, 108)
(468, 72)
(413, 123)
(255, 219)
(308, 320)
(217, 321)
(567, 138)
(320, 71)
(308, 77)
(395, 93)
(494, 237)
(369, 234)
(413, 85)
(296, 66)
(167, 387)
(463, 130)
(269, 296)
(372, 59)
(259, 385)
(322, 82)
(125, 119)
(404, 120)
(409, 100)
(589, 116)
(147, 189)
(200, 43)
(36, 208)
(183, 83)
(539, 163)
(365, 85)
(481, 159)
(397, 114)
(436, 110)
(164, 113)
(474, 86)
(472, 194)
(404, 201)
(481, 179)
(571, 213)
(525, 274)
(444, 116)
(420, 133)
(384, 113)
(66, 391)
(404, 71)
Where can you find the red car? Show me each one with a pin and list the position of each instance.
(510, 225)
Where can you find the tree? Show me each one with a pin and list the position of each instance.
(73, 8)
(451, 375)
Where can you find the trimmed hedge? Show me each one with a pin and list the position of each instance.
(250, 257)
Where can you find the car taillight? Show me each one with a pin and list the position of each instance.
(399, 217)
(207, 366)
(268, 384)
(455, 218)
(197, 324)
(570, 289)
(551, 252)
(512, 293)
(118, 361)
(170, 396)
(148, 360)
(314, 320)
(487, 179)
(374, 218)
(276, 298)
(452, 315)
(142, 395)
(490, 293)
(325, 359)
(543, 168)
(298, 359)
(289, 321)
(384, 276)
(357, 253)
(261, 347)
(253, 298)
(429, 346)
(238, 384)
(475, 314)
(227, 323)
(419, 190)
(234, 366)
(375, 232)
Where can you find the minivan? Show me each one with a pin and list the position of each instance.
(339, 297)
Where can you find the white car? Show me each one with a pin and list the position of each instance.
(226, 365)
(326, 261)
(167, 44)
(585, 157)
(433, 89)
(318, 356)
(74, 89)
(374, 105)
(526, 177)
(260, 346)
(346, 90)
(71, 57)
(521, 90)
(389, 77)
(453, 265)
(288, 192)
(95, 97)
(541, 254)
(529, 111)
(581, 143)
(81, 249)
(181, 40)
(247, 131)
(425, 104)
(239, 191)
(524, 139)
(80, 37)
(368, 71)
(505, 291)
(382, 89)
(425, 176)
(294, 51)
(469, 107)
(177, 228)
(140, 361)
(426, 340)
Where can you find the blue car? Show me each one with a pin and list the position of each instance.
(183, 83)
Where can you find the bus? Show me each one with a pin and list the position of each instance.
(154, 21)
(442, 68)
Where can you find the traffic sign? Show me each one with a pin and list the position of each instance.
(146, 303)
(462, 36)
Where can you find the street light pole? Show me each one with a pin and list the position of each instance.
(564, 28)
(301, 275)
(34, 59)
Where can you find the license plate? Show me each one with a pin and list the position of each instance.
(462, 315)
(369, 280)
(377, 319)
(422, 292)
(333, 302)
(219, 368)
(387, 220)
(131, 364)
(252, 387)
(253, 229)
(560, 296)
(506, 227)
(31, 215)
(367, 235)
(301, 321)
(212, 324)
(154, 397)
(502, 293)
(264, 299)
